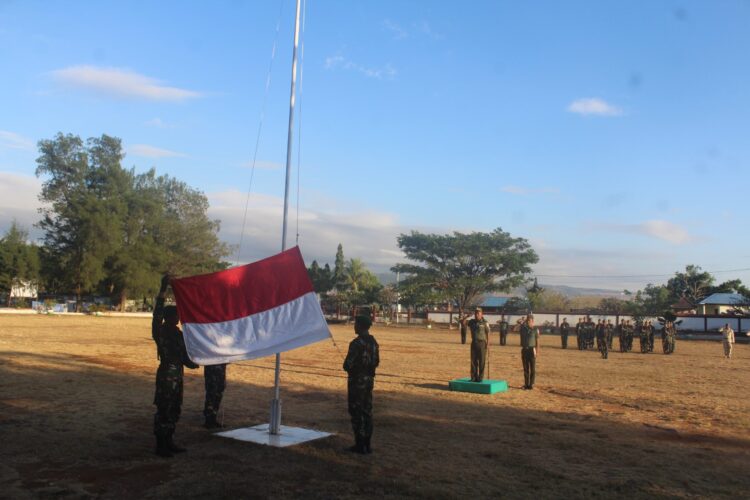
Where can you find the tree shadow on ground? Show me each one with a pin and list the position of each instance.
(78, 427)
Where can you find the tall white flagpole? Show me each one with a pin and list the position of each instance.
(275, 423)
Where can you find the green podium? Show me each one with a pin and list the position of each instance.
(484, 387)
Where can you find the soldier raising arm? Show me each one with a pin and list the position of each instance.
(170, 348)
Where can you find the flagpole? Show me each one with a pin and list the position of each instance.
(275, 424)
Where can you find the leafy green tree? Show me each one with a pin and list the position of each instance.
(110, 230)
(338, 266)
(321, 277)
(363, 286)
(612, 305)
(462, 267)
(653, 299)
(730, 286)
(693, 284)
(19, 260)
(547, 300)
(83, 208)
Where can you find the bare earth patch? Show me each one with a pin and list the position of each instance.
(76, 415)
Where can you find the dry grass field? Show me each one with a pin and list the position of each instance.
(76, 416)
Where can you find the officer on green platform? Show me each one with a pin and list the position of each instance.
(480, 333)
(503, 330)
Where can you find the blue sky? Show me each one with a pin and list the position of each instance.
(612, 135)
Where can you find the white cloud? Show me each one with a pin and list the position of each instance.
(263, 165)
(15, 141)
(657, 228)
(368, 235)
(19, 201)
(153, 152)
(158, 123)
(398, 32)
(121, 83)
(387, 72)
(523, 191)
(594, 106)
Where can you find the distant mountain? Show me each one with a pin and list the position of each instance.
(571, 291)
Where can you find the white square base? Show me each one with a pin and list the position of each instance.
(287, 436)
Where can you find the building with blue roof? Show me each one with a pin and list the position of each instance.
(723, 303)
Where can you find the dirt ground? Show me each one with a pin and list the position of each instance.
(76, 413)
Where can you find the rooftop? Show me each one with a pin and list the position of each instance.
(728, 299)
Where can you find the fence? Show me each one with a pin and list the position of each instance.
(692, 323)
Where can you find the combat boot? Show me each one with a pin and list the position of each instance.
(171, 446)
(212, 423)
(359, 446)
(161, 447)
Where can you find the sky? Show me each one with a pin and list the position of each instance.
(612, 135)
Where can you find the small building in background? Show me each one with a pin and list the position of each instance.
(724, 303)
(683, 306)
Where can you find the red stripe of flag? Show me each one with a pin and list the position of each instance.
(244, 290)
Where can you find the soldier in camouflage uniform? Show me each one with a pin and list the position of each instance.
(590, 333)
(462, 325)
(480, 333)
(529, 338)
(170, 348)
(651, 331)
(503, 330)
(564, 332)
(579, 334)
(610, 334)
(601, 339)
(215, 378)
(644, 337)
(360, 363)
(668, 337)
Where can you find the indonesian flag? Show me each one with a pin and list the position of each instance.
(250, 311)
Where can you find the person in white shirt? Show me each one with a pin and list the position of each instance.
(728, 334)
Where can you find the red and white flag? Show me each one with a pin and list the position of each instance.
(250, 311)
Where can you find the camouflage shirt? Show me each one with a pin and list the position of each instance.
(363, 356)
(170, 346)
(479, 328)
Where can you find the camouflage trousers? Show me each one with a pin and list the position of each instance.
(360, 405)
(215, 377)
(728, 347)
(667, 344)
(564, 340)
(601, 344)
(644, 344)
(167, 398)
(503, 338)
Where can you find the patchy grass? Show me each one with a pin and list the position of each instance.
(76, 414)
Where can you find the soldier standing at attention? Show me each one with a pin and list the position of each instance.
(651, 330)
(529, 351)
(564, 332)
(480, 332)
(360, 363)
(610, 334)
(579, 334)
(170, 348)
(644, 337)
(728, 335)
(215, 378)
(601, 339)
(503, 330)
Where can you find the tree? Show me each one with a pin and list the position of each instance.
(612, 305)
(462, 267)
(83, 209)
(321, 277)
(363, 286)
(19, 260)
(547, 300)
(730, 286)
(338, 266)
(110, 230)
(653, 299)
(692, 284)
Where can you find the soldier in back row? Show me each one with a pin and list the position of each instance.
(503, 323)
(601, 338)
(564, 332)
